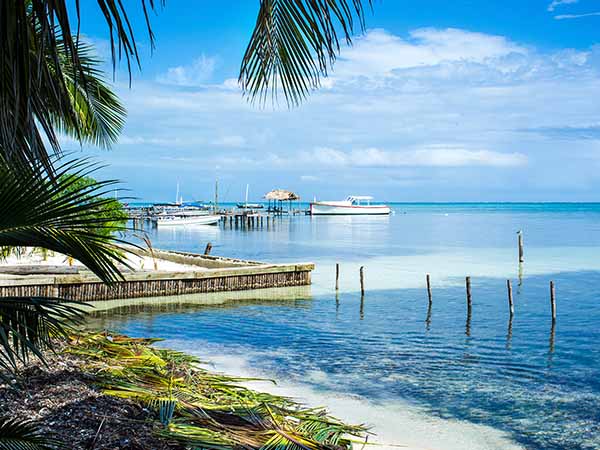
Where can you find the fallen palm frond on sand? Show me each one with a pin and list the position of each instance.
(201, 409)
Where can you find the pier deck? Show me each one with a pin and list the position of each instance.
(201, 273)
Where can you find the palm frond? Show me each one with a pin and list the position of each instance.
(18, 434)
(99, 114)
(28, 326)
(39, 211)
(205, 410)
(43, 73)
(294, 43)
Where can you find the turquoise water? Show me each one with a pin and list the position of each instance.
(537, 384)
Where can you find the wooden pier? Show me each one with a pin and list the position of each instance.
(214, 274)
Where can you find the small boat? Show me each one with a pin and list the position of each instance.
(184, 219)
(250, 206)
(353, 205)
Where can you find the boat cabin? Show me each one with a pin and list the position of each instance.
(358, 200)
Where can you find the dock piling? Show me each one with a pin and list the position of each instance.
(521, 253)
(362, 281)
(511, 306)
(469, 299)
(429, 289)
(208, 249)
(553, 301)
(337, 277)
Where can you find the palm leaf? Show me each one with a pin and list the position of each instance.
(18, 434)
(99, 115)
(45, 74)
(28, 326)
(40, 211)
(293, 44)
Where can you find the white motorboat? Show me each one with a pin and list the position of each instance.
(183, 219)
(353, 205)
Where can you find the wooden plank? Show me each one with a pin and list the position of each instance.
(38, 269)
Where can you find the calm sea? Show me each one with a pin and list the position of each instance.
(535, 385)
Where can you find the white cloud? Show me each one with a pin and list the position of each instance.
(552, 6)
(380, 54)
(230, 141)
(197, 73)
(431, 156)
(576, 16)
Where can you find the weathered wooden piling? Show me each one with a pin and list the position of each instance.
(469, 299)
(208, 249)
(511, 306)
(337, 277)
(429, 289)
(521, 253)
(362, 281)
(553, 301)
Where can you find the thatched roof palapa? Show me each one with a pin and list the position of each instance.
(281, 194)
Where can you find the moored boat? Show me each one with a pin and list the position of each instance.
(182, 219)
(353, 205)
(250, 206)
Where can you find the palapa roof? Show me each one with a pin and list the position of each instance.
(281, 194)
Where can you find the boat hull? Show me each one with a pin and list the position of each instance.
(189, 220)
(324, 209)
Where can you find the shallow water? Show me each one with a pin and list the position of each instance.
(538, 385)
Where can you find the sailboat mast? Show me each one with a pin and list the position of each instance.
(247, 187)
(216, 195)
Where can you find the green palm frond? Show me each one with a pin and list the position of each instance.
(28, 326)
(37, 210)
(293, 44)
(99, 115)
(18, 434)
(45, 75)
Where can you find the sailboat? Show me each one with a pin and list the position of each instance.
(178, 214)
(247, 205)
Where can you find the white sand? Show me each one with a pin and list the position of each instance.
(137, 263)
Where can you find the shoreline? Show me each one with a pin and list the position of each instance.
(394, 424)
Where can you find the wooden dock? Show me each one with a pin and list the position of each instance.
(214, 274)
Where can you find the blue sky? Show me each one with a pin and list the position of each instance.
(437, 101)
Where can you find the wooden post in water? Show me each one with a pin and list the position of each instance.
(362, 281)
(208, 249)
(429, 289)
(521, 254)
(511, 306)
(553, 301)
(337, 277)
(469, 301)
